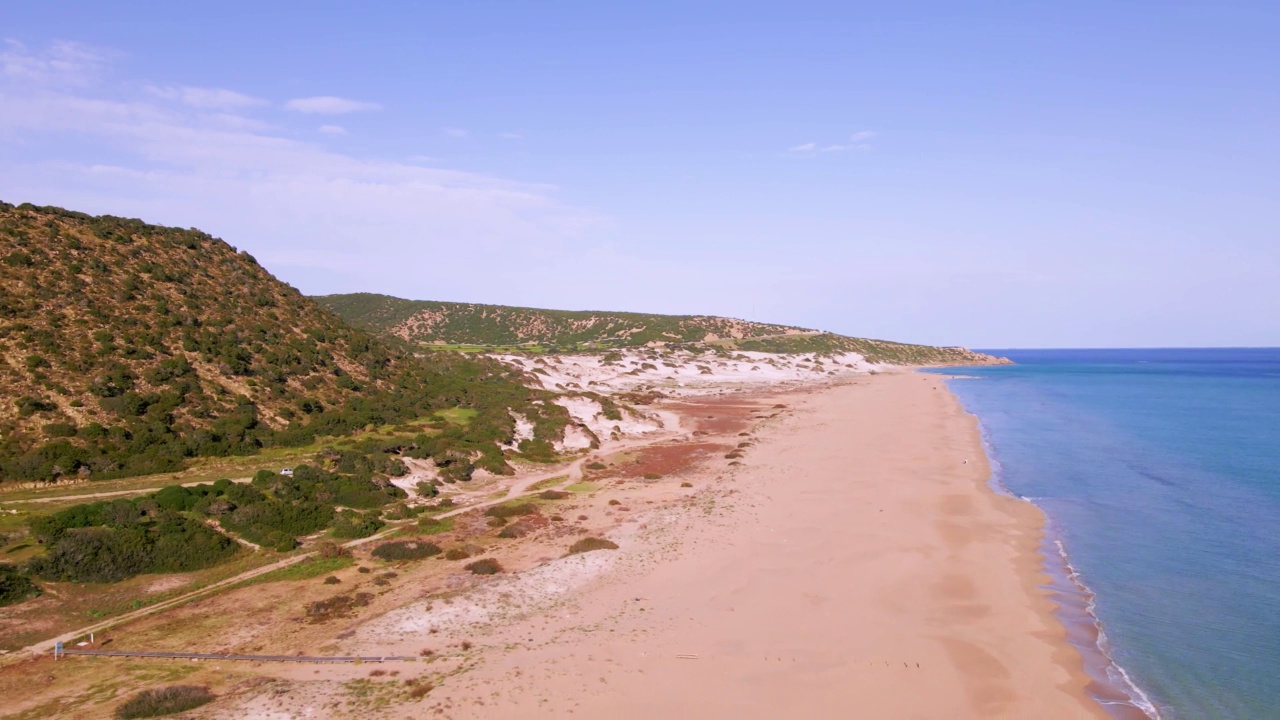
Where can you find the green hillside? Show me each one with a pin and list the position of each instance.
(128, 348)
(469, 325)
(426, 321)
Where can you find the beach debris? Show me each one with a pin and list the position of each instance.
(686, 656)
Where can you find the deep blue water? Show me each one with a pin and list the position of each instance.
(1160, 472)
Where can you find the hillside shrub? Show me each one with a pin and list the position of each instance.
(14, 586)
(487, 566)
(164, 701)
(152, 303)
(509, 511)
(273, 522)
(108, 542)
(406, 550)
(515, 530)
(351, 524)
(591, 543)
(537, 450)
(434, 526)
(330, 550)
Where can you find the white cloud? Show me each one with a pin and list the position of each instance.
(206, 98)
(455, 132)
(61, 63)
(332, 130)
(857, 141)
(332, 220)
(330, 105)
(512, 136)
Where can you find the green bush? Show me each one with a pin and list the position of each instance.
(164, 701)
(269, 522)
(351, 524)
(14, 586)
(406, 550)
(108, 542)
(433, 526)
(591, 543)
(508, 511)
(487, 566)
(538, 450)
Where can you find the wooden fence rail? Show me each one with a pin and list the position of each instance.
(218, 656)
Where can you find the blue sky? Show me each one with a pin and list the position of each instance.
(993, 175)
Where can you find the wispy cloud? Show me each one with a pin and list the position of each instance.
(330, 105)
(511, 136)
(455, 132)
(206, 98)
(306, 210)
(858, 141)
(61, 63)
(332, 130)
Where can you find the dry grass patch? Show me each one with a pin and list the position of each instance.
(515, 530)
(336, 607)
(418, 687)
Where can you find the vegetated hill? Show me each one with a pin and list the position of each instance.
(424, 321)
(452, 324)
(126, 348)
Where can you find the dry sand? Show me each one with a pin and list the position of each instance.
(856, 566)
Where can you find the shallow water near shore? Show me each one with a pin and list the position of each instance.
(1160, 473)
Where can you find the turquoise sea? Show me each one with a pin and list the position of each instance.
(1159, 471)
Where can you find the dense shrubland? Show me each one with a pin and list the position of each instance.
(15, 586)
(496, 326)
(472, 324)
(130, 348)
(112, 541)
(176, 529)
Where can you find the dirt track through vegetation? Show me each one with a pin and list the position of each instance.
(573, 471)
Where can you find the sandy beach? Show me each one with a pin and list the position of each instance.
(857, 565)
(822, 549)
